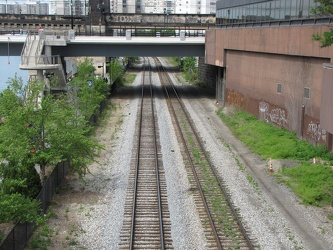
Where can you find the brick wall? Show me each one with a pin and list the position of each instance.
(207, 74)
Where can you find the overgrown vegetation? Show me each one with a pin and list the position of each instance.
(325, 8)
(115, 70)
(188, 66)
(313, 183)
(43, 130)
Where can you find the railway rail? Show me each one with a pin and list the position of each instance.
(222, 225)
(147, 220)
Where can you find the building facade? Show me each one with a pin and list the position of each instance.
(272, 68)
(34, 8)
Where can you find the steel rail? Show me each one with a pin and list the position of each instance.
(211, 222)
(137, 163)
(223, 189)
(156, 166)
(160, 215)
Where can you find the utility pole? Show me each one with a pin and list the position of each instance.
(72, 20)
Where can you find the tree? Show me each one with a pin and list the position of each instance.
(190, 69)
(16, 207)
(44, 131)
(87, 91)
(325, 8)
(115, 70)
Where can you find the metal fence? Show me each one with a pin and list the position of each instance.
(20, 234)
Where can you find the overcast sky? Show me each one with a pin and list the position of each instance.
(8, 70)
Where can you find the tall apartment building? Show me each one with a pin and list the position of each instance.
(35, 8)
(163, 6)
(84, 7)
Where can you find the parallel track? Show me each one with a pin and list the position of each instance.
(147, 220)
(221, 222)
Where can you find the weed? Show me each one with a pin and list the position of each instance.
(41, 239)
(330, 217)
(66, 214)
(2, 236)
(322, 230)
(81, 209)
(129, 78)
(253, 183)
(312, 183)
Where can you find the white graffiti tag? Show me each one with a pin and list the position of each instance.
(316, 132)
(277, 115)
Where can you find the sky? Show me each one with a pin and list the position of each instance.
(21, 1)
(8, 70)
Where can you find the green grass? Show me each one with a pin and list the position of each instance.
(312, 183)
(129, 78)
(270, 141)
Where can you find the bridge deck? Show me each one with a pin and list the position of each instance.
(114, 46)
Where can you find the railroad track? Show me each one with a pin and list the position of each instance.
(221, 222)
(147, 221)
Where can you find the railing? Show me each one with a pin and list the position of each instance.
(31, 36)
(41, 60)
(271, 23)
(40, 44)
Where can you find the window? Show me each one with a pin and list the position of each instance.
(307, 92)
(279, 88)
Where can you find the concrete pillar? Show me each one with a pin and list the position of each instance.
(182, 35)
(48, 50)
(220, 86)
(128, 35)
(40, 76)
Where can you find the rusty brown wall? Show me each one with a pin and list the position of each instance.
(257, 59)
(251, 82)
(286, 40)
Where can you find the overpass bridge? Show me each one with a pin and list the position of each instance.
(44, 51)
(72, 46)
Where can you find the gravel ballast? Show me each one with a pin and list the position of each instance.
(270, 211)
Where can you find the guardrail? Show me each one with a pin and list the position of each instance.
(40, 60)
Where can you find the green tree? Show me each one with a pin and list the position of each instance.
(325, 8)
(87, 91)
(190, 69)
(43, 130)
(115, 70)
(17, 207)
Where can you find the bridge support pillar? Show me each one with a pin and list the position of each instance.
(40, 76)
(220, 86)
(48, 50)
(182, 35)
(128, 35)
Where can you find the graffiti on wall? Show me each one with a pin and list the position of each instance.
(275, 115)
(316, 132)
(235, 99)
